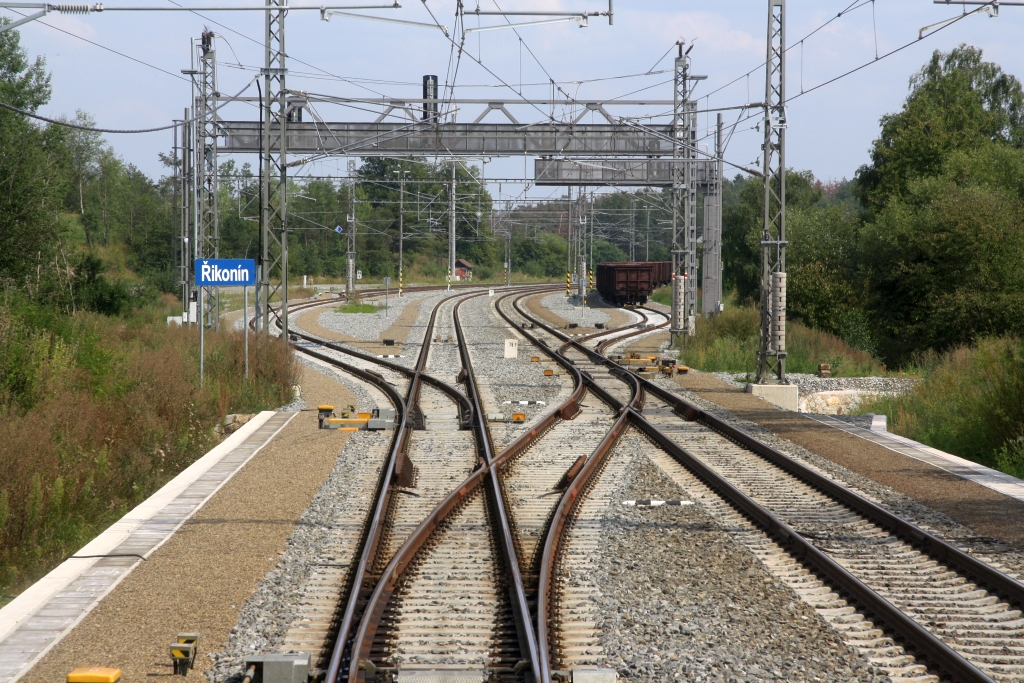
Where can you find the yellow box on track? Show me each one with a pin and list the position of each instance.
(94, 674)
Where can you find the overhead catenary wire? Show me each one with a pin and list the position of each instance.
(68, 124)
(104, 47)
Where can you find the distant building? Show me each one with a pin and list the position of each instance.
(463, 269)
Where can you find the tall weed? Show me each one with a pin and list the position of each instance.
(970, 403)
(728, 342)
(96, 413)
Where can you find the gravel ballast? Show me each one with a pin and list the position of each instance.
(920, 479)
(586, 316)
(367, 326)
(503, 379)
(812, 384)
(680, 600)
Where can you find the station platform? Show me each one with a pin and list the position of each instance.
(41, 616)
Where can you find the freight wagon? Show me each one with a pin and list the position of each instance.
(631, 283)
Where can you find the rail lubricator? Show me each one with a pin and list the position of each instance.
(913, 635)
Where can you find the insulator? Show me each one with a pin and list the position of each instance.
(778, 300)
(73, 9)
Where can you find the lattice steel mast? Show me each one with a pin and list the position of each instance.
(711, 251)
(206, 126)
(274, 152)
(771, 360)
(684, 200)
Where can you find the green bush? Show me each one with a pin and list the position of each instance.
(970, 403)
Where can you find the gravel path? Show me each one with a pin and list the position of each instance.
(267, 614)
(681, 600)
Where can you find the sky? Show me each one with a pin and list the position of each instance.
(830, 128)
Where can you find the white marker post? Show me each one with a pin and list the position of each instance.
(245, 326)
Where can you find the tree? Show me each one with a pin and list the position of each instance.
(956, 102)
(743, 220)
(85, 148)
(33, 167)
(824, 279)
(943, 261)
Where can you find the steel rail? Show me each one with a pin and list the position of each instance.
(404, 557)
(398, 466)
(516, 589)
(577, 481)
(916, 637)
(383, 590)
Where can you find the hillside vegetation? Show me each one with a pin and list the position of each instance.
(100, 401)
(916, 261)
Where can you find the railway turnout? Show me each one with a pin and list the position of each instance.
(476, 548)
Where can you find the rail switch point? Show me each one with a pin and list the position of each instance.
(94, 674)
(279, 668)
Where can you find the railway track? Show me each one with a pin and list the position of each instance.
(430, 433)
(913, 605)
(495, 551)
(453, 598)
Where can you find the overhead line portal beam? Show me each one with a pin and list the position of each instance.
(454, 139)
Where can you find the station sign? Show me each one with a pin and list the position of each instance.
(225, 272)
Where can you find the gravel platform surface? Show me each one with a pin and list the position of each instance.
(969, 515)
(204, 573)
(680, 600)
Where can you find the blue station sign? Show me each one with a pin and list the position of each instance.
(231, 272)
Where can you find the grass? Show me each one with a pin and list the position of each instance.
(356, 308)
(729, 341)
(98, 412)
(662, 295)
(970, 403)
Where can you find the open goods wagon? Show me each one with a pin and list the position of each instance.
(631, 283)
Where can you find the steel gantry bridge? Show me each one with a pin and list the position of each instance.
(616, 152)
